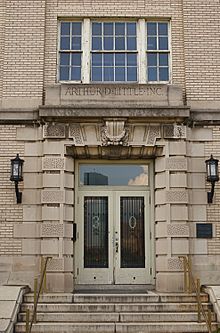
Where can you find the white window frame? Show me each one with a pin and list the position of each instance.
(141, 50)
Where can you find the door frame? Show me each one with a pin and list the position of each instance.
(99, 189)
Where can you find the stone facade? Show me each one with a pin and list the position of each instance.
(52, 125)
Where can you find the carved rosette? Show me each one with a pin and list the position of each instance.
(114, 133)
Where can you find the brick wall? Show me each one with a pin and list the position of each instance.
(10, 212)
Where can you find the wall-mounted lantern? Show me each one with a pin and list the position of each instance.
(212, 175)
(17, 175)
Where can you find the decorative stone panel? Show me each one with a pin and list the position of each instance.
(179, 164)
(174, 264)
(178, 230)
(53, 163)
(173, 131)
(55, 264)
(176, 197)
(76, 134)
(55, 131)
(153, 133)
(114, 133)
(52, 196)
(52, 230)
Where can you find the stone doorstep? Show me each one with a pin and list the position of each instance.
(114, 328)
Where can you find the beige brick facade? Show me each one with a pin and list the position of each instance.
(52, 126)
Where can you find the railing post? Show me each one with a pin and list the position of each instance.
(210, 319)
(189, 270)
(27, 321)
(35, 298)
(199, 299)
(41, 272)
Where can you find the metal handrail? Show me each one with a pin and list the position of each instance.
(42, 287)
(191, 283)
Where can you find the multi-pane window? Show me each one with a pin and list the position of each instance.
(114, 52)
(120, 51)
(70, 51)
(157, 51)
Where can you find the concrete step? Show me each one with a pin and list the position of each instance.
(114, 298)
(119, 307)
(115, 328)
(114, 317)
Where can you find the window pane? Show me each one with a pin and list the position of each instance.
(152, 29)
(163, 43)
(108, 74)
(131, 43)
(109, 59)
(163, 59)
(96, 43)
(65, 28)
(120, 29)
(119, 59)
(76, 59)
(76, 28)
(108, 29)
(76, 43)
(151, 43)
(76, 73)
(152, 59)
(152, 74)
(65, 43)
(132, 74)
(64, 59)
(164, 74)
(132, 59)
(96, 29)
(108, 43)
(120, 43)
(163, 29)
(131, 29)
(96, 59)
(120, 74)
(64, 73)
(96, 73)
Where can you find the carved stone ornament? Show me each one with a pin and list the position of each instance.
(114, 133)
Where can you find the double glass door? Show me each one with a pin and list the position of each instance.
(113, 245)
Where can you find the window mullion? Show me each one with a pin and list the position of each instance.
(86, 46)
(141, 49)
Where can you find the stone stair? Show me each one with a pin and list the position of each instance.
(114, 313)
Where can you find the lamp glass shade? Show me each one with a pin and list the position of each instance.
(212, 169)
(17, 169)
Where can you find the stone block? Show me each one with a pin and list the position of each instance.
(6, 308)
(53, 148)
(180, 246)
(69, 164)
(6, 264)
(69, 197)
(27, 230)
(197, 197)
(31, 197)
(176, 196)
(197, 165)
(31, 213)
(32, 164)
(53, 163)
(30, 246)
(68, 213)
(68, 247)
(68, 230)
(170, 282)
(176, 164)
(33, 149)
(161, 246)
(50, 213)
(28, 133)
(52, 196)
(178, 180)
(177, 148)
(196, 149)
(161, 230)
(60, 282)
(200, 134)
(32, 180)
(160, 197)
(161, 213)
(26, 263)
(52, 95)
(159, 164)
(69, 180)
(22, 278)
(52, 230)
(50, 247)
(160, 180)
(51, 180)
(197, 213)
(179, 212)
(199, 246)
(196, 180)
(167, 264)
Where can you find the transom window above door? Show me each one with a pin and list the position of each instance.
(114, 51)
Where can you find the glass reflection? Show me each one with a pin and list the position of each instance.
(113, 175)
